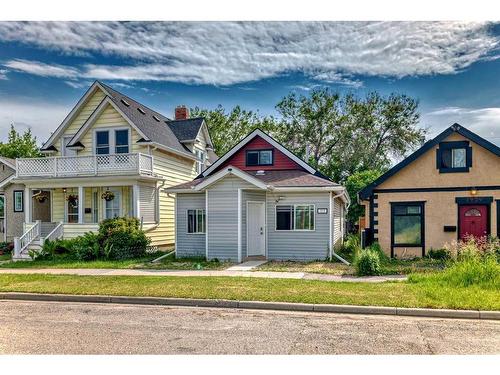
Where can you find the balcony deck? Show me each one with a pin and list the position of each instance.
(81, 166)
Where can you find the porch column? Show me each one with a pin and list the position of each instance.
(136, 201)
(27, 205)
(81, 197)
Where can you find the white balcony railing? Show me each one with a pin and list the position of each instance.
(94, 165)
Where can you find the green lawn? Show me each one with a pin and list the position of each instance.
(421, 291)
(141, 263)
(5, 257)
(390, 267)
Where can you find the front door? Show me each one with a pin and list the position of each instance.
(473, 221)
(256, 239)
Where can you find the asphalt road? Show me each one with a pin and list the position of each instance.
(84, 328)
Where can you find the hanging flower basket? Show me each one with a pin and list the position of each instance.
(108, 196)
(41, 197)
(72, 199)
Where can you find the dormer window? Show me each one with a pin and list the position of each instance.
(259, 157)
(454, 157)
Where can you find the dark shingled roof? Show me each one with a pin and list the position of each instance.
(277, 178)
(186, 130)
(155, 131)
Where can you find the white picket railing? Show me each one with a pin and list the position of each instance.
(94, 165)
(22, 243)
(55, 234)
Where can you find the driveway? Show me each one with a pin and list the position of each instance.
(83, 328)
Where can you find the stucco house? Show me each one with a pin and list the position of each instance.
(259, 200)
(11, 202)
(111, 156)
(444, 191)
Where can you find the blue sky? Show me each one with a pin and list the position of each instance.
(452, 68)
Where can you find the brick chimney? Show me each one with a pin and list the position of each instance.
(181, 112)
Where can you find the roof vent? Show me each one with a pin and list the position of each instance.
(260, 172)
(141, 110)
(125, 102)
(156, 118)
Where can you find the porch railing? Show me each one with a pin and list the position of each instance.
(22, 243)
(93, 165)
(56, 233)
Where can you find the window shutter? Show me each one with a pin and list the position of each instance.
(469, 156)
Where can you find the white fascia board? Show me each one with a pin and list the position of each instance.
(8, 163)
(83, 100)
(7, 181)
(248, 138)
(308, 189)
(234, 171)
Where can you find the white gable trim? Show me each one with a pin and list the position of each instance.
(95, 115)
(248, 138)
(234, 171)
(7, 163)
(74, 112)
(7, 181)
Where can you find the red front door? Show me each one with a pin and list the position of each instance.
(473, 221)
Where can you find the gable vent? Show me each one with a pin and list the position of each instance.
(260, 172)
(141, 110)
(156, 118)
(125, 102)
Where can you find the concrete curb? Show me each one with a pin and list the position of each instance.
(257, 305)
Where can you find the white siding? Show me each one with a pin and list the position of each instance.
(298, 245)
(223, 218)
(147, 203)
(188, 245)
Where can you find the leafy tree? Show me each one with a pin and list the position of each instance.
(316, 125)
(354, 184)
(342, 135)
(19, 145)
(228, 128)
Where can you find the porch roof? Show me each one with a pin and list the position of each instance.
(273, 178)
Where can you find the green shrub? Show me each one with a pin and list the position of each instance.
(122, 238)
(438, 254)
(350, 248)
(6, 247)
(367, 263)
(377, 249)
(86, 247)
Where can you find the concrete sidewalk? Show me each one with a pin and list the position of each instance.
(201, 273)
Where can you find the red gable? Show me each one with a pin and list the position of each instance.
(280, 162)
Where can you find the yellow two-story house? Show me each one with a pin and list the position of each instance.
(111, 156)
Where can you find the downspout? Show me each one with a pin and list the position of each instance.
(332, 251)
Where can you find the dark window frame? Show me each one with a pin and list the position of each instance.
(420, 204)
(258, 162)
(293, 217)
(449, 147)
(196, 224)
(14, 202)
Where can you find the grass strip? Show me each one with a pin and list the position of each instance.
(422, 292)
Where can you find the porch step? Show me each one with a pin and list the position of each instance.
(46, 228)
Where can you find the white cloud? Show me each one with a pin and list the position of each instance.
(41, 69)
(3, 74)
(225, 53)
(483, 121)
(40, 117)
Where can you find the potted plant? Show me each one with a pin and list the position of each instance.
(108, 195)
(41, 197)
(72, 199)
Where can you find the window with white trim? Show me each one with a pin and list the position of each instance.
(196, 221)
(18, 201)
(112, 141)
(200, 165)
(298, 217)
